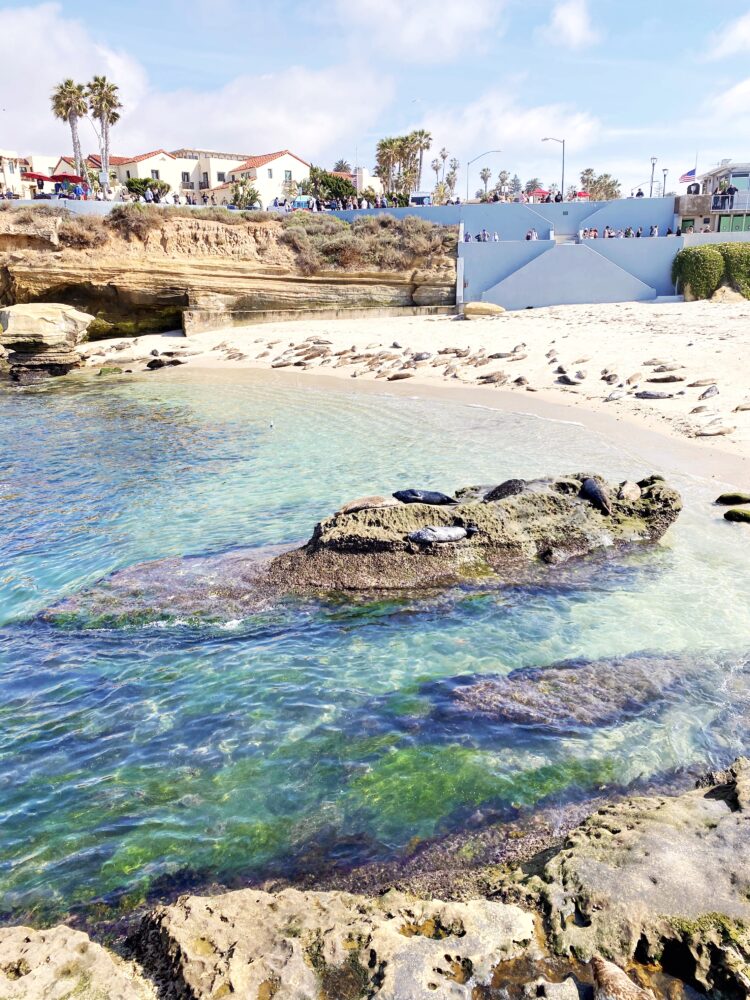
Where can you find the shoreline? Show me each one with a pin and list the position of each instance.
(702, 342)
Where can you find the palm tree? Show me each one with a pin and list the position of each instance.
(386, 157)
(503, 182)
(435, 165)
(532, 185)
(69, 105)
(422, 141)
(444, 156)
(342, 167)
(104, 104)
(485, 173)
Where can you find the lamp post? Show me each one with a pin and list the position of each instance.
(551, 138)
(486, 153)
(665, 171)
(653, 168)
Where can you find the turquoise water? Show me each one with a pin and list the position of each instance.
(137, 758)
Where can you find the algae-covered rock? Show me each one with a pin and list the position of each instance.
(110, 370)
(663, 879)
(573, 694)
(507, 526)
(737, 514)
(330, 945)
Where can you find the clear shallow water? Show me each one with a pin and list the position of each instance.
(139, 757)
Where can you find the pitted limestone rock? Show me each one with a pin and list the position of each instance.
(330, 945)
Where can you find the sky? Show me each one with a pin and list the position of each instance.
(621, 81)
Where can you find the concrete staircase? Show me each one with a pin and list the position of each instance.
(568, 274)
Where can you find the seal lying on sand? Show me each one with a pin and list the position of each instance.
(431, 497)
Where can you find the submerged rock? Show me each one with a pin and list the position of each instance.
(330, 945)
(41, 339)
(574, 693)
(662, 879)
(517, 523)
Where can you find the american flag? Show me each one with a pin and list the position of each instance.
(688, 177)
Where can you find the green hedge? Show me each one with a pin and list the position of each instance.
(704, 268)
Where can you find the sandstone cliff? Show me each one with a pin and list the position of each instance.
(199, 271)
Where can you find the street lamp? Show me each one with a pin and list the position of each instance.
(562, 142)
(486, 153)
(665, 171)
(653, 168)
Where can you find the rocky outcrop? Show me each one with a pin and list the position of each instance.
(661, 879)
(197, 273)
(505, 527)
(40, 339)
(61, 963)
(330, 945)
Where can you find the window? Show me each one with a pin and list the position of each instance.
(11, 167)
(287, 175)
(222, 176)
(185, 176)
(270, 174)
(127, 175)
(205, 178)
(741, 181)
(154, 175)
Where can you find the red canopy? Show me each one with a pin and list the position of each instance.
(72, 178)
(539, 193)
(34, 177)
(582, 194)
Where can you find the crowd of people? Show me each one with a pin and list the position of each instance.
(482, 237)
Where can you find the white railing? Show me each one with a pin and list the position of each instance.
(739, 202)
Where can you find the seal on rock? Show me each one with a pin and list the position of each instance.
(440, 533)
(432, 497)
(596, 494)
(510, 488)
(366, 503)
(611, 983)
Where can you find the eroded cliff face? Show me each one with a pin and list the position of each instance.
(192, 272)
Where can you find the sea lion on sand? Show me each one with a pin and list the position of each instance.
(597, 494)
(425, 536)
(366, 503)
(611, 983)
(431, 497)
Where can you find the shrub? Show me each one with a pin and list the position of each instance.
(135, 220)
(344, 250)
(737, 265)
(701, 267)
(82, 231)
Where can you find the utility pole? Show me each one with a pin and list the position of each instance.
(653, 168)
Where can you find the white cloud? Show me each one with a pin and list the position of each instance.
(731, 39)
(297, 107)
(422, 31)
(570, 25)
(729, 105)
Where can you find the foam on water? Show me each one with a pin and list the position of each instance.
(176, 749)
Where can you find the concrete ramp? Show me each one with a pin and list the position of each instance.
(568, 274)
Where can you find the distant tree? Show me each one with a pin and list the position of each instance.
(244, 194)
(69, 104)
(441, 194)
(572, 192)
(422, 141)
(137, 185)
(444, 154)
(485, 173)
(451, 178)
(532, 185)
(435, 165)
(588, 176)
(160, 187)
(324, 185)
(600, 187)
(290, 189)
(502, 185)
(515, 184)
(104, 104)
(342, 167)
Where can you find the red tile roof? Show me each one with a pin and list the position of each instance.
(260, 161)
(147, 156)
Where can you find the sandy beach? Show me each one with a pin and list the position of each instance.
(674, 369)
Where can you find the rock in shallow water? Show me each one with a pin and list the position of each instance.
(573, 694)
(519, 522)
(41, 338)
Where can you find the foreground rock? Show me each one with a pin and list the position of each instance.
(661, 879)
(506, 527)
(61, 963)
(41, 338)
(330, 945)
